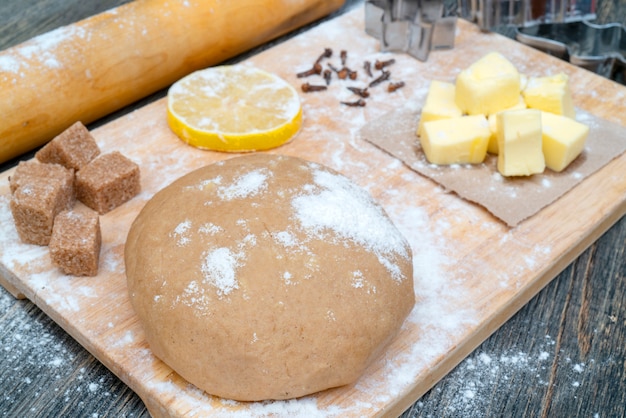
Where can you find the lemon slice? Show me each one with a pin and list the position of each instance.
(234, 108)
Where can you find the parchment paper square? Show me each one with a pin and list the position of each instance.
(511, 199)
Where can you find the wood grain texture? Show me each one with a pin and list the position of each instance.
(549, 315)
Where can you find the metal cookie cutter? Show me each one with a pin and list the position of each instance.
(563, 28)
(412, 26)
(598, 48)
(491, 14)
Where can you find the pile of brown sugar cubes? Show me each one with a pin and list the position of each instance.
(44, 192)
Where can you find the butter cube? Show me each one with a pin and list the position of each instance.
(439, 104)
(461, 140)
(520, 143)
(550, 94)
(489, 85)
(492, 147)
(563, 140)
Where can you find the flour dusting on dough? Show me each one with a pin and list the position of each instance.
(245, 186)
(210, 229)
(340, 206)
(286, 238)
(180, 233)
(219, 268)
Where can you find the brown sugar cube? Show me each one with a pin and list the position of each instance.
(107, 182)
(72, 148)
(76, 241)
(33, 172)
(34, 207)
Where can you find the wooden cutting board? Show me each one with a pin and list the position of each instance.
(472, 272)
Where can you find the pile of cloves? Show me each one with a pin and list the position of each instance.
(346, 72)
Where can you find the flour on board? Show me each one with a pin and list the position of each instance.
(14, 253)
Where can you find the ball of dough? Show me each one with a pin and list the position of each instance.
(267, 277)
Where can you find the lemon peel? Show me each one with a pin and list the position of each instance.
(234, 108)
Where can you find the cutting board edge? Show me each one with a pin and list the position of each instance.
(495, 321)
(6, 283)
(157, 409)
(466, 347)
(445, 366)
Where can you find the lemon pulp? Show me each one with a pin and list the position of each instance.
(233, 108)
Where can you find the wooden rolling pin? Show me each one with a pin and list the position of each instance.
(86, 70)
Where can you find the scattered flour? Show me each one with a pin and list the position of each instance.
(180, 233)
(9, 64)
(219, 268)
(286, 238)
(42, 50)
(247, 185)
(122, 342)
(210, 229)
(340, 206)
(32, 345)
(287, 278)
(475, 378)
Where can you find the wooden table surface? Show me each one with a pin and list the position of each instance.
(563, 354)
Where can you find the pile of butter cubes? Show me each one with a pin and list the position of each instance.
(529, 122)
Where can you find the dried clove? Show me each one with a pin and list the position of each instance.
(327, 76)
(317, 69)
(367, 66)
(360, 91)
(379, 65)
(343, 73)
(308, 88)
(326, 54)
(384, 76)
(395, 86)
(344, 56)
(358, 103)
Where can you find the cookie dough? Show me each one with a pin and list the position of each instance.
(267, 277)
